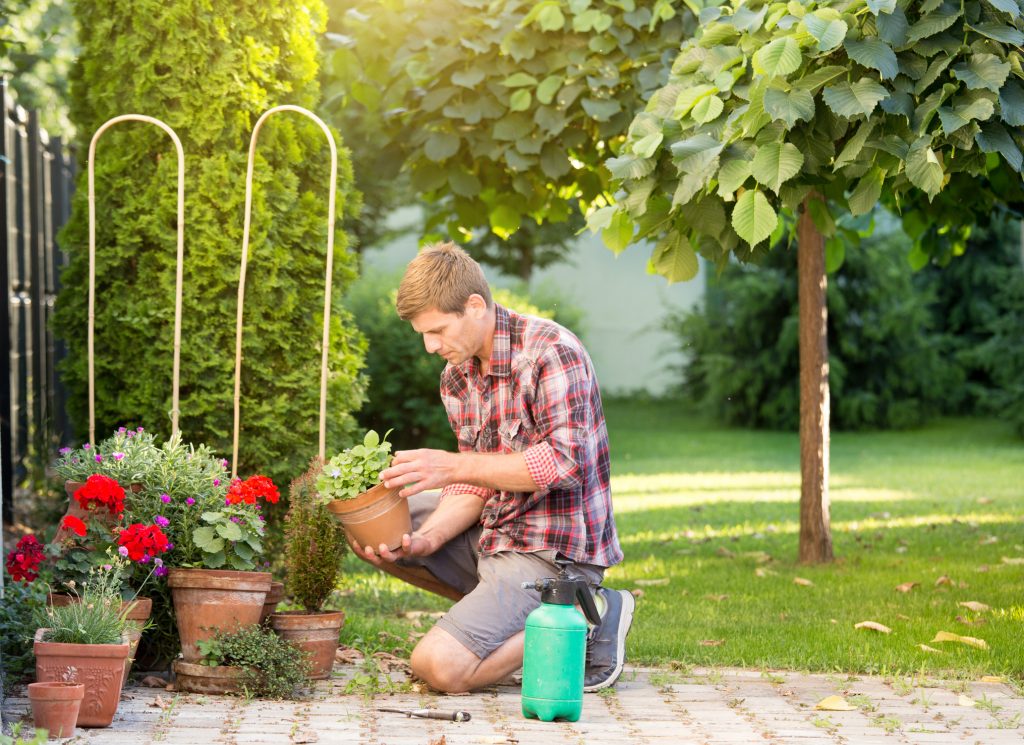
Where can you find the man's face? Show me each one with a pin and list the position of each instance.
(449, 335)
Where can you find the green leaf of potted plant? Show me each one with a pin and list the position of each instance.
(371, 513)
(313, 554)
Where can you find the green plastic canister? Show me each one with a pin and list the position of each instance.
(555, 648)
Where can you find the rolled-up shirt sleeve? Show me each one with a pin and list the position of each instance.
(478, 491)
(562, 412)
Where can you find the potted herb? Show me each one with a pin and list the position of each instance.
(127, 456)
(313, 554)
(87, 642)
(349, 484)
(251, 659)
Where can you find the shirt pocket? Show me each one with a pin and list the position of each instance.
(468, 436)
(514, 437)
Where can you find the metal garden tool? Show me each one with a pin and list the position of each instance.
(448, 716)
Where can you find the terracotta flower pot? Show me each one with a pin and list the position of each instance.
(138, 613)
(195, 678)
(208, 600)
(315, 633)
(55, 706)
(99, 666)
(275, 596)
(376, 516)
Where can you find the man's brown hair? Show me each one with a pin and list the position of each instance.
(441, 277)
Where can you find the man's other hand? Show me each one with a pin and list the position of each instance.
(420, 470)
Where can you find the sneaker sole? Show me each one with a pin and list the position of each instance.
(625, 624)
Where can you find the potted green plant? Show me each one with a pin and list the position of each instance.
(127, 457)
(87, 642)
(349, 484)
(251, 659)
(314, 548)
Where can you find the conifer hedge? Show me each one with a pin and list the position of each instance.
(209, 69)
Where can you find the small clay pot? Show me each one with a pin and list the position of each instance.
(55, 706)
(315, 633)
(194, 678)
(378, 515)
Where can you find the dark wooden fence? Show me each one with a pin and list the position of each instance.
(36, 182)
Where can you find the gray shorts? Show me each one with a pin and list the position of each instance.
(495, 605)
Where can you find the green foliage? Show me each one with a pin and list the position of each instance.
(915, 104)
(97, 617)
(18, 612)
(129, 456)
(314, 545)
(272, 668)
(354, 470)
(1002, 354)
(507, 128)
(38, 737)
(209, 69)
(230, 536)
(886, 369)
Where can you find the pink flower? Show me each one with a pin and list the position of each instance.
(99, 458)
(165, 498)
(117, 456)
(190, 501)
(85, 446)
(162, 521)
(123, 551)
(216, 482)
(108, 567)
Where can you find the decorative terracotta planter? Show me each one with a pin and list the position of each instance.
(99, 666)
(195, 678)
(210, 600)
(55, 706)
(376, 516)
(315, 633)
(275, 596)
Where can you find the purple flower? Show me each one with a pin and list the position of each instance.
(118, 456)
(158, 562)
(122, 430)
(170, 546)
(224, 463)
(123, 550)
(190, 501)
(160, 571)
(140, 430)
(165, 498)
(162, 521)
(85, 446)
(108, 567)
(262, 518)
(131, 434)
(65, 451)
(234, 519)
(99, 458)
(227, 502)
(144, 559)
(216, 482)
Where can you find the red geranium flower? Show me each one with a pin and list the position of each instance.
(23, 561)
(75, 525)
(141, 542)
(251, 489)
(101, 491)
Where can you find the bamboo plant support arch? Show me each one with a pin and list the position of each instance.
(327, 281)
(92, 264)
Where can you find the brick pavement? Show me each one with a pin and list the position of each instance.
(648, 706)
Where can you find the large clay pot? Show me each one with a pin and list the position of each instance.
(275, 596)
(55, 706)
(195, 678)
(315, 633)
(138, 613)
(210, 600)
(376, 516)
(100, 667)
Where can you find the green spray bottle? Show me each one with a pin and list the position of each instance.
(555, 648)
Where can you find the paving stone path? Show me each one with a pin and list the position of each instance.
(697, 706)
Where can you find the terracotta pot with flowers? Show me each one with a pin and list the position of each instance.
(207, 596)
(371, 513)
(313, 553)
(86, 642)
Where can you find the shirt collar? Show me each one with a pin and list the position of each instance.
(500, 364)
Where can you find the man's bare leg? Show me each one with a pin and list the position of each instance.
(445, 664)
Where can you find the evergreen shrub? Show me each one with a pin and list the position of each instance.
(209, 69)
(885, 363)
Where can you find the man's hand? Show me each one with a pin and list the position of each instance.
(412, 545)
(420, 470)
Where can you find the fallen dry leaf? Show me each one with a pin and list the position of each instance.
(873, 626)
(760, 572)
(348, 656)
(833, 621)
(963, 700)
(988, 540)
(1013, 559)
(652, 582)
(943, 580)
(945, 636)
(802, 582)
(906, 586)
(724, 552)
(637, 593)
(153, 681)
(971, 622)
(387, 663)
(984, 500)
(306, 736)
(759, 557)
(926, 648)
(160, 703)
(902, 617)
(982, 568)
(711, 642)
(439, 741)
(993, 679)
(834, 703)
(716, 598)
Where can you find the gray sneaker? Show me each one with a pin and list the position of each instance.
(606, 642)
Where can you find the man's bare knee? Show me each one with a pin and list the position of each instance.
(441, 661)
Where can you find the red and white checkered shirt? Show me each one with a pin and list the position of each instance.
(539, 397)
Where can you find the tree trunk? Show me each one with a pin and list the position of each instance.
(815, 532)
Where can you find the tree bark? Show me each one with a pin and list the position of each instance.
(815, 530)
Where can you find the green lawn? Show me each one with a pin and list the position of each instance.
(708, 520)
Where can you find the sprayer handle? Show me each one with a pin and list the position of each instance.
(587, 603)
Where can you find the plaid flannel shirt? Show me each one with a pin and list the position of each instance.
(539, 397)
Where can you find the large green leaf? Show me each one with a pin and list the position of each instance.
(689, 97)
(463, 183)
(629, 166)
(874, 53)
(441, 146)
(1006, 6)
(812, 81)
(229, 531)
(619, 232)
(1000, 32)
(854, 145)
(828, 33)
(204, 537)
(1011, 104)
(707, 109)
(504, 220)
(753, 218)
(674, 258)
(933, 23)
(601, 109)
(520, 100)
(993, 138)
(468, 78)
(881, 6)
(647, 146)
(789, 107)
(732, 174)
(548, 88)
(519, 80)
(893, 27)
(776, 163)
(867, 192)
(983, 71)
(955, 117)
(924, 168)
(854, 99)
(778, 58)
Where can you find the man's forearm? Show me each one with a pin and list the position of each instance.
(455, 514)
(504, 471)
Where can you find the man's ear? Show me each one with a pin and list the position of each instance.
(476, 306)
